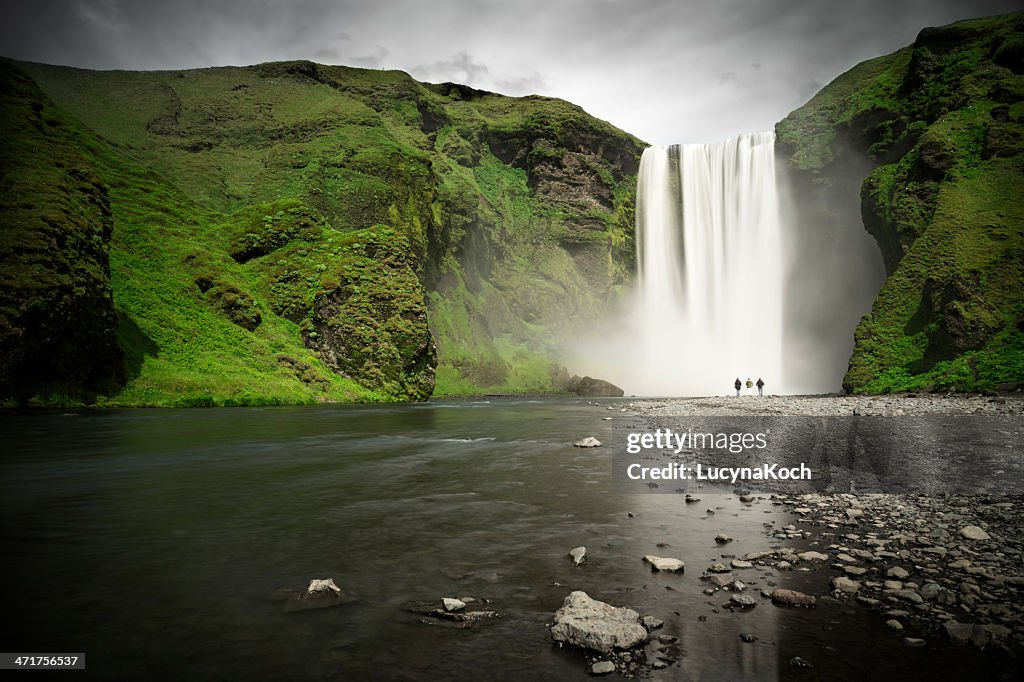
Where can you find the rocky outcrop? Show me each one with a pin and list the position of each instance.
(370, 323)
(932, 134)
(58, 325)
(593, 388)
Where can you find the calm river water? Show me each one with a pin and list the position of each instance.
(155, 541)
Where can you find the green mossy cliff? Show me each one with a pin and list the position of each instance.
(934, 136)
(293, 232)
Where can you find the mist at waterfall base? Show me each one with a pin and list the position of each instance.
(734, 279)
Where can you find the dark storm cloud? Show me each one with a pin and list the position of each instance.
(662, 69)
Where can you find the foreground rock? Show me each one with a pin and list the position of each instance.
(667, 564)
(595, 625)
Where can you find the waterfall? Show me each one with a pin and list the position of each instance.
(709, 256)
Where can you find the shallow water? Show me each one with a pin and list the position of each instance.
(155, 540)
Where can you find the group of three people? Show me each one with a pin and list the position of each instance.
(750, 386)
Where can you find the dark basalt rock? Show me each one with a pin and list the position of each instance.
(594, 388)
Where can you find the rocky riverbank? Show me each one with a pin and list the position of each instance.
(945, 568)
(951, 565)
(897, 405)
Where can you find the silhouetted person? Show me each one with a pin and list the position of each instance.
(760, 386)
(738, 385)
(750, 387)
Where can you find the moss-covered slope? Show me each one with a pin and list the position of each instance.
(294, 232)
(57, 320)
(938, 130)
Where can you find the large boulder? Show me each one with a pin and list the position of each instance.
(594, 388)
(592, 624)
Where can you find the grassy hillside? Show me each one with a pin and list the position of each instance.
(294, 232)
(938, 129)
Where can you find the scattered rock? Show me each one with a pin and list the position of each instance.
(845, 585)
(718, 567)
(911, 596)
(602, 668)
(592, 624)
(720, 580)
(797, 662)
(579, 555)
(322, 586)
(651, 623)
(812, 556)
(451, 604)
(748, 637)
(913, 642)
(664, 563)
(967, 633)
(722, 538)
(974, 533)
(791, 598)
(319, 594)
(894, 625)
(588, 442)
(742, 601)
(898, 573)
(740, 564)
(930, 591)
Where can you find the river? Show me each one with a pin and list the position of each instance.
(156, 541)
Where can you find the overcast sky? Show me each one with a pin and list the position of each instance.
(666, 71)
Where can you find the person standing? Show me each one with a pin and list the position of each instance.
(750, 387)
(760, 386)
(738, 385)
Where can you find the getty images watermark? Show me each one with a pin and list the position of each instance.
(665, 442)
(932, 454)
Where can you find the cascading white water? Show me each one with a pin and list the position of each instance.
(709, 254)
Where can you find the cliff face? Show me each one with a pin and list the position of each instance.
(293, 232)
(934, 134)
(57, 319)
